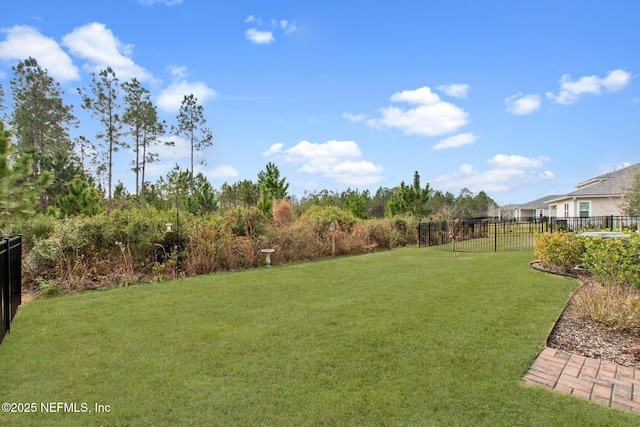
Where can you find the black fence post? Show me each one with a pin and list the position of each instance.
(4, 287)
(10, 281)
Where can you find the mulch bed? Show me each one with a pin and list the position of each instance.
(580, 335)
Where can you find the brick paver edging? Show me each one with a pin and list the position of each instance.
(601, 382)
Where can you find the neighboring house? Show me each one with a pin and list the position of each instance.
(535, 209)
(599, 196)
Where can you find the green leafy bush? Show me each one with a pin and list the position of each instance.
(562, 250)
(613, 261)
(328, 214)
(130, 245)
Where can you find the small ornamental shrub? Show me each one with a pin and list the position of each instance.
(562, 250)
(617, 307)
(613, 261)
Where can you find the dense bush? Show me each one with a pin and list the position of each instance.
(613, 261)
(562, 250)
(614, 300)
(127, 246)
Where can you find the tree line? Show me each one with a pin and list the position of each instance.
(43, 169)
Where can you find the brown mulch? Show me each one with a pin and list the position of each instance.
(580, 335)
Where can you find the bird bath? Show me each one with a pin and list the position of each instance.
(268, 253)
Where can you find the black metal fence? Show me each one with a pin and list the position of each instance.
(10, 280)
(490, 235)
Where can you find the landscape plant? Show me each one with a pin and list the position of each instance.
(613, 261)
(563, 250)
(614, 267)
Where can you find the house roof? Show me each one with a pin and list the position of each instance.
(609, 184)
(538, 203)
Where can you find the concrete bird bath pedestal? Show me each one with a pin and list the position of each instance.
(268, 253)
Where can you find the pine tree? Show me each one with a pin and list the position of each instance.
(142, 118)
(191, 126)
(270, 177)
(631, 195)
(19, 191)
(41, 121)
(103, 104)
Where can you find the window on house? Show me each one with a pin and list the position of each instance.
(566, 210)
(585, 209)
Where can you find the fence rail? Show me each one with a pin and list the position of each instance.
(486, 235)
(10, 280)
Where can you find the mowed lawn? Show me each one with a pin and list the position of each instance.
(406, 337)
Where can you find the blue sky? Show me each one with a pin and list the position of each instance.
(517, 98)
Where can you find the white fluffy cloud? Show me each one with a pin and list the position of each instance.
(523, 105)
(431, 116)
(514, 161)
(337, 160)
(288, 27)
(96, 44)
(456, 90)
(456, 141)
(23, 41)
(171, 97)
(571, 90)
(221, 172)
(507, 172)
(179, 148)
(274, 149)
(259, 37)
(355, 117)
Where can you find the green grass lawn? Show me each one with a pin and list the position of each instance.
(406, 337)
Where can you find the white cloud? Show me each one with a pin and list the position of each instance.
(355, 117)
(456, 141)
(432, 116)
(23, 41)
(288, 27)
(571, 90)
(456, 90)
(259, 37)
(178, 71)
(181, 149)
(420, 96)
(337, 160)
(221, 172)
(274, 149)
(507, 173)
(522, 105)
(172, 96)
(513, 161)
(97, 44)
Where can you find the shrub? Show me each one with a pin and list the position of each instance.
(382, 233)
(613, 261)
(617, 307)
(328, 214)
(282, 213)
(562, 250)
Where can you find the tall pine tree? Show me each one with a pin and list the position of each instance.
(40, 121)
(102, 103)
(192, 127)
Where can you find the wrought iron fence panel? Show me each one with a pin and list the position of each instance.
(10, 280)
(489, 235)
